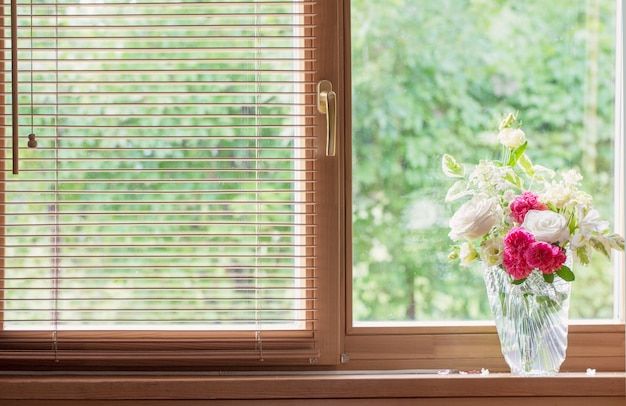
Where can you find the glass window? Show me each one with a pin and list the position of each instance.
(430, 78)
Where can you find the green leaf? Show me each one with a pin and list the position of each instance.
(583, 255)
(548, 277)
(601, 246)
(548, 302)
(516, 154)
(507, 122)
(512, 178)
(526, 165)
(616, 241)
(458, 190)
(566, 274)
(518, 281)
(542, 174)
(451, 167)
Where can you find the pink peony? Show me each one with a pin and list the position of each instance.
(545, 257)
(516, 265)
(523, 203)
(518, 240)
(516, 243)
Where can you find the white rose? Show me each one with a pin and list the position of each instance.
(512, 137)
(474, 219)
(547, 226)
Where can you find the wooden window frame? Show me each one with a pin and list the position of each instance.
(348, 348)
(364, 349)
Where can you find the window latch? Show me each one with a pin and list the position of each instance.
(327, 104)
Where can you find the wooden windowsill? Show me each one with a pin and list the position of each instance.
(129, 389)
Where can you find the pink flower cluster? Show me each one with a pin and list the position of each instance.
(523, 204)
(522, 254)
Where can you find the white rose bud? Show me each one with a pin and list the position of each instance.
(468, 254)
(547, 226)
(512, 137)
(474, 219)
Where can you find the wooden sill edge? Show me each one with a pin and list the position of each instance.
(315, 386)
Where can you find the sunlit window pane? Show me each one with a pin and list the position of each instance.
(436, 77)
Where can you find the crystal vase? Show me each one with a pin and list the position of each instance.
(531, 319)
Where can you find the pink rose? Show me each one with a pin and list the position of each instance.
(523, 204)
(545, 257)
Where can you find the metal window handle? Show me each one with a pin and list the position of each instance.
(327, 104)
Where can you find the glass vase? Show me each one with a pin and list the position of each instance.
(531, 319)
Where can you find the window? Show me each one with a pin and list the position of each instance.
(172, 205)
(433, 77)
(233, 171)
(445, 91)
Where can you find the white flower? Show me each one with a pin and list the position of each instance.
(547, 226)
(492, 251)
(512, 137)
(578, 198)
(509, 195)
(557, 195)
(490, 178)
(572, 178)
(565, 193)
(590, 224)
(474, 219)
(579, 239)
(467, 254)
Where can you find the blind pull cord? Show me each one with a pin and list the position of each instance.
(32, 140)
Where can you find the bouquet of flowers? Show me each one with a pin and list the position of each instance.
(520, 216)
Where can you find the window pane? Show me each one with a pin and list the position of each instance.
(172, 184)
(436, 77)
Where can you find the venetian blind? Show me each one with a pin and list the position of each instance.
(172, 187)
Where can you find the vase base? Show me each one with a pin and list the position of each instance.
(534, 373)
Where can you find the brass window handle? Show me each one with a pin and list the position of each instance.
(327, 104)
